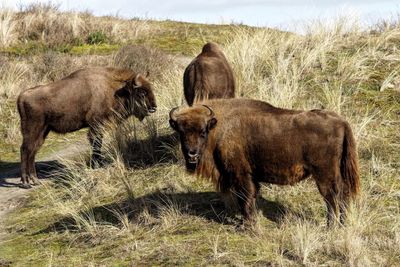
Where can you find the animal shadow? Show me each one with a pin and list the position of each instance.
(206, 205)
(151, 151)
(9, 171)
(273, 211)
(277, 212)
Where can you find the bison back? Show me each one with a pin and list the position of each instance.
(208, 78)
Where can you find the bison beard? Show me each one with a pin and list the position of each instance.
(85, 98)
(240, 143)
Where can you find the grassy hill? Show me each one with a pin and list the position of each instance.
(143, 208)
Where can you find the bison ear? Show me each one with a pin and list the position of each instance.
(211, 123)
(137, 81)
(173, 124)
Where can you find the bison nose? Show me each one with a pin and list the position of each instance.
(192, 154)
(152, 109)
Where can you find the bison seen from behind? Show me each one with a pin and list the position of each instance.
(208, 76)
(85, 98)
(239, 143)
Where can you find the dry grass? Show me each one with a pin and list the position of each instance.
(8, 34)
(322, 68)
(142, 208)
(43, 23)
(38, 27)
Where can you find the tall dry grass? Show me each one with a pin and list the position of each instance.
(8, 35)
(148, 210)
(44, 23)
(323, 67)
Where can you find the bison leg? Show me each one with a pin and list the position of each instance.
(330, 192)
(246, 197)
(95, 137)
(24, 152)
(344, 204)
(230, 203)
(31, 156)
(33, 138)
(24, 165)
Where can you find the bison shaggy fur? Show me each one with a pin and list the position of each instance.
(86, 98)
(240, 143)
(208, 76)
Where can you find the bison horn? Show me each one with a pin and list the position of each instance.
(136, 81)
(172, 115)
(211, 111)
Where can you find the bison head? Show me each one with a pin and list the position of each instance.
(138, 97)
(193, 125)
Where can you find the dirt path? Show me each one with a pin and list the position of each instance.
(11, 195)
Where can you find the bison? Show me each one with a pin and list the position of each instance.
(208, 76)
(86, 98)
(239, 143)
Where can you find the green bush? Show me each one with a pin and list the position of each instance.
(97, 37)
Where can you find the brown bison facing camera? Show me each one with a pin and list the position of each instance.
(85, 98)
(238, 143)
(208, 76)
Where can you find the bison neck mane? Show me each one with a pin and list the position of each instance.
(206, 167)
(126, 105)
(121, 81)
(121, 75)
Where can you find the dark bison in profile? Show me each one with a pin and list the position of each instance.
(208, 76)
(238, 143)
(85, 98)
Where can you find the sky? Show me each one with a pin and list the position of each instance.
(283, 14)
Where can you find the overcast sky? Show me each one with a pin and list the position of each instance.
(284, 14)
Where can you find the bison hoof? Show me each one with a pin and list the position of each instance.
(246, 225)
(245, 228)
(36, 183)
(241, 227)
(25, 186)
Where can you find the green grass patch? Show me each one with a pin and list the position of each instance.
(187, 38)
(24, 49)
(170, 36)
(95, 49)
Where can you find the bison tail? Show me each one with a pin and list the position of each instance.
(20, 106)
(349, 164)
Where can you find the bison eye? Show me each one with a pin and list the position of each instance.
(203, 134)
(143, 93)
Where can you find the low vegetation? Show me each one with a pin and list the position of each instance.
(40, 27)
(143, 208)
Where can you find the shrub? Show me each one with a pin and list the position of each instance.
(52, 66)
(97, 37)
(142, 59)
